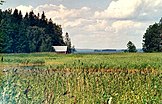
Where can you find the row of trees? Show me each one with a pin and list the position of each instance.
(32, 33)
(152, 39)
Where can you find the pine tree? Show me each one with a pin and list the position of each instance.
(43, 20)
(31, 18)
(1, 41)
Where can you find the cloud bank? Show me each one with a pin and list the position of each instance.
(113, 27)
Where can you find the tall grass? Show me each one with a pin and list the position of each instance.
(95, 61)
(81, 78)
(36, 86)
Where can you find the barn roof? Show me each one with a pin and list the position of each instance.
(60, 48)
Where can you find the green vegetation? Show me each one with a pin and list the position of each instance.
(94, 61)
(153, 38)
(122, 78)
(32, 33)
(68, 43)
(131, 47)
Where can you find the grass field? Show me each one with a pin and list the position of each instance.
(48, 78)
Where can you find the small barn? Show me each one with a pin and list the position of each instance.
(60, 49)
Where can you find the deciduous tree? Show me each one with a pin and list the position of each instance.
(152, 39)
(131, 47)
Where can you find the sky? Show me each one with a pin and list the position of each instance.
(98, 24)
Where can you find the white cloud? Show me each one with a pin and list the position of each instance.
(24, 9)
(126, 25)
(77, 22)
(120, 9)
(62, 12)
(128, 9)
(123, 20)
(97, 25)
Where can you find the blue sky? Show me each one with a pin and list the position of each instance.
(97, 23)
(100, 4)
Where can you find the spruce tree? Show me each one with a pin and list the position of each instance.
(68, 42)
(28, 34)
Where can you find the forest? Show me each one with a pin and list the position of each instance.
(29, 33)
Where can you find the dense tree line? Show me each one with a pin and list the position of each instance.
(153, 38)
(31, 33)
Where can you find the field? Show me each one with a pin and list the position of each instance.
(48, 78)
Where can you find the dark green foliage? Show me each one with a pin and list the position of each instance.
(2, 59)
(31, 33)
(131, 47)
(73, 49)
(1, 41)
(68, 42)
(152, 38)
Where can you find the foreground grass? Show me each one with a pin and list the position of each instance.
(81, 78)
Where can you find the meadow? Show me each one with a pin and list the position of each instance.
(49, 78)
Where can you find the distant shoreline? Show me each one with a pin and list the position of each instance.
(102, 50)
